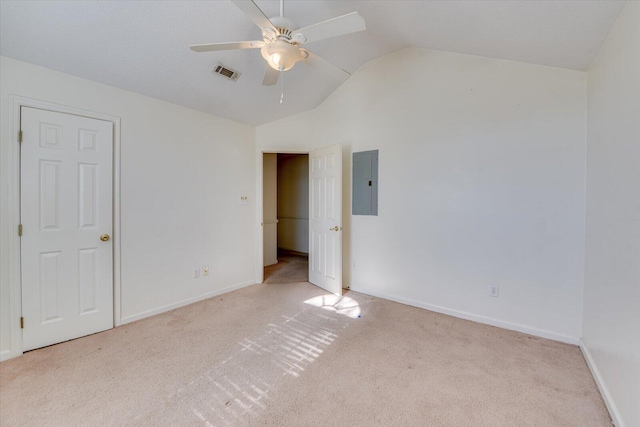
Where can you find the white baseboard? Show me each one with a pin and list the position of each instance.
(5, 354)
(169, 307)
(604, 391)
(555, 336)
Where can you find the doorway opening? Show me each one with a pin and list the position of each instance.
(285, 217)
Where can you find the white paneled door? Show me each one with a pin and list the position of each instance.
(325, 218)
(66, 215)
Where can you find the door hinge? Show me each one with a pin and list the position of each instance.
(22, 323)
(20, 136)
(20, 230)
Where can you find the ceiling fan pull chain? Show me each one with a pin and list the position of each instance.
(281, 87)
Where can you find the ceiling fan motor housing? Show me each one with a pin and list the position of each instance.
(285, 26)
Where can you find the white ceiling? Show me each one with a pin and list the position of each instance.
(142, 46)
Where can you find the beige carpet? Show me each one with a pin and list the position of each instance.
(292, 267)
(262, 356)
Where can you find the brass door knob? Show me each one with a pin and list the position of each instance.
(104, 237)
(336, 228)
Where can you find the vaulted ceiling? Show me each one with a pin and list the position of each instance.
(143, 46)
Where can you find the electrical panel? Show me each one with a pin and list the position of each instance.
(365, 183)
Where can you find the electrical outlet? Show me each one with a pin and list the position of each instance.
(353, 265)
(205, 270)
(494, 291)
(196, 273)
(244, 200)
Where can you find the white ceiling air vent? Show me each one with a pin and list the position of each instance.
(226, 72)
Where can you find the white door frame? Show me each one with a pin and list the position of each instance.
(260, 208)
(13, 208)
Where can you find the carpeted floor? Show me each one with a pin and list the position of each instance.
(281, 354)
(292, 267)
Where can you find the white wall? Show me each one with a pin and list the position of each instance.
(183, 173)
(482, 181)
(270, 208)
(293, 202)
(611, 328)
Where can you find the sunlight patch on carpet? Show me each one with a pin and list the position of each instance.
(344, 305)
(241, 385)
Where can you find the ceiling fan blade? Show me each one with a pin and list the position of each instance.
(325, 66)
(227, 46)
(345, 24)
(254, 13)
(270, 76)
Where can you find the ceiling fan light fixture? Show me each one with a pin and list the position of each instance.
(280, 55)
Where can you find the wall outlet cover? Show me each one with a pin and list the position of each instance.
(494, 291)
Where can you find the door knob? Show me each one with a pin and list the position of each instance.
(336, 228)
(104, 237)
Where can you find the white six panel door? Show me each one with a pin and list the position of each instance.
(66, 206)
(325, 218)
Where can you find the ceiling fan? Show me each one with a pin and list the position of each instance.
(281, 40)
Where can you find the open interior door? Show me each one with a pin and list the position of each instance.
(325, 218)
